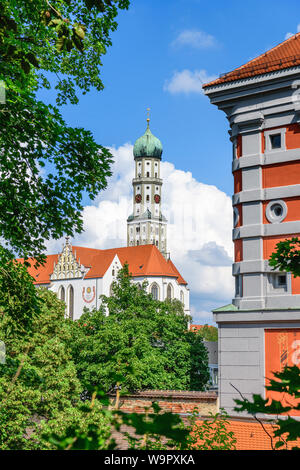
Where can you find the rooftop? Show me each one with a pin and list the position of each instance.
(143, 261)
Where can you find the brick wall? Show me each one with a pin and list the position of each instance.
(180, 402)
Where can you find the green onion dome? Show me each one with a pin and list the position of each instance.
(148, 145)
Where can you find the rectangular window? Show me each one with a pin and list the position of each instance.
(275, 140)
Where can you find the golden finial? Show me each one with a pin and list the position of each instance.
(148, 116)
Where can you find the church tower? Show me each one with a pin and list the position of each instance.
(147, 225)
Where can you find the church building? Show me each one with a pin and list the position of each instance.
(259, 333)
(80, 275)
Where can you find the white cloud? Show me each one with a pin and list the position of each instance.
(196, 39)
(188, 81)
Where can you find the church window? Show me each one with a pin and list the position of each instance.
(182, 297)
(113, 272)
(169, 292)
(148, 174)
(147, 198)
(155, 175)
(156, 243)
(138, 230)
(71, 302)
(154, 291)
(137, 242)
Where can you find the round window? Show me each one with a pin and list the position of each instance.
(276, 211)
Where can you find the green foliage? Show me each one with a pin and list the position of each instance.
(210, 434)
(152, 430)
(142, 339)
(84, 427)
(46, 165)
(287, 383)
(287, 256)
(19, 302)
(158, 431)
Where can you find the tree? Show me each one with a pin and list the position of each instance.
(46, 165)
(38, 381)
(140, 338)
(286, 429)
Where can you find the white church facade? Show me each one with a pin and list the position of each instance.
(80, 275)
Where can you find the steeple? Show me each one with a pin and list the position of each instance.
(147, 225)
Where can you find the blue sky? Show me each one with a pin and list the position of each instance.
(160, 53)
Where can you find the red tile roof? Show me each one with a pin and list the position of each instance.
(250, 435)
(199, 327)
(283, 56)
(143, 261)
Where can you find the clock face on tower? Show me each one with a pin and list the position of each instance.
(157, 198)
(138, 198)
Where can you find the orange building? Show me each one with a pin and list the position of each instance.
(79, 275)
(260, 331)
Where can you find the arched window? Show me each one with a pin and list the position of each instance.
(154, 291)
(62, 294)
(169, 292)
(182, 297)
(71, 302)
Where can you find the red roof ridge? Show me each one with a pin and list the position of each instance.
(143, 261)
